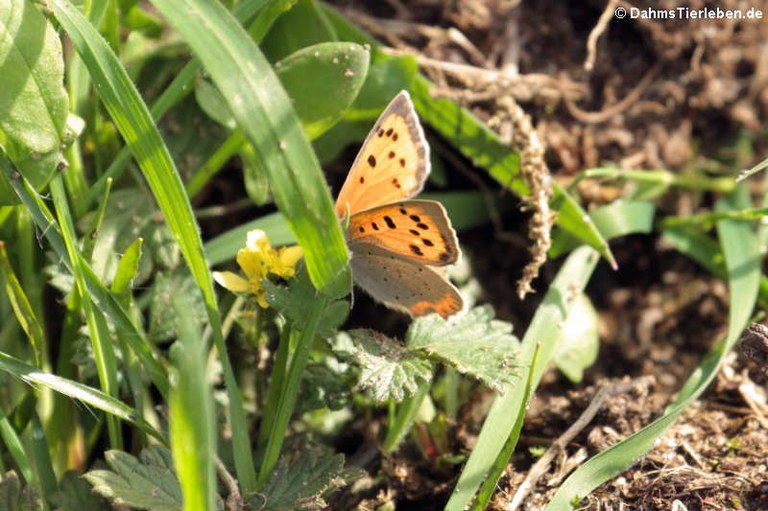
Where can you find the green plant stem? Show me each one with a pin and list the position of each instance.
(291, 390)
(277, 379)
(708, 220)
(211, 167)
(402, 418)
(664, 177)
(103, 349)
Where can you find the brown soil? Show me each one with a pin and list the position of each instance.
(659, 94)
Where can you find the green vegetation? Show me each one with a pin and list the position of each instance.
(114, 343)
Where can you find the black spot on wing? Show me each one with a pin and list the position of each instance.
(372, 161)
(390, 223)
(416, 250)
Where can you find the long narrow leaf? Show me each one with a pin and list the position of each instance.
(33, 376)
(264, 113)
(544, 331)
(103, 299)
(738, 242)
(132, 118)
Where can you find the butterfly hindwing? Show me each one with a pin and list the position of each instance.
(392, 164)
(413, 288)
(417, 230)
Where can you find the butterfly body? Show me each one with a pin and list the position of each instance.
(399, 245)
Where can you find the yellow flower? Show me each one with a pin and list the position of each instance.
(258, 260)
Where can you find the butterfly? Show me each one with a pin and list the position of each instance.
(399, 245)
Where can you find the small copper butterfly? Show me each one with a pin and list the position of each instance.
(399, 245)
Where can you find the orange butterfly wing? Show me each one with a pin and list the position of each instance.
(392, 164)
(418, 230)
(413, 288)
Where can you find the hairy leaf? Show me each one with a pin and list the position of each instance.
(475, 344)
(389, 371)
(300, 485)
(294, 300)
(14, 497)
(147, 482)
(76, 495)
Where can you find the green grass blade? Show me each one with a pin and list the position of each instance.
(298, 362)
(39, 452)
(16, 449)
(75, 390)
(544, 330)
(264, 113)
(132, 118)
(572, 218)
(488, 487)
(405, 414)
(191, 421)
(98, 293)
(103, 349)
(613, 220)
(22, 308)
(135, 124)
(738, 242)
(181, 85)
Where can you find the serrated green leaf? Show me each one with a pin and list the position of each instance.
(325, 385)
(294, 300)
(14, 497)
(76, 494)
(388, 371)
(338, 71)
(475, 344)
(580, 343)
(148, 482)
(33, 104)
(301, 484)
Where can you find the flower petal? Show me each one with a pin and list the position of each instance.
(231, 281)
(285, 262)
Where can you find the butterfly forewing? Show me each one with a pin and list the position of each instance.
(392, 164)
(413, 288)
(417, 230)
